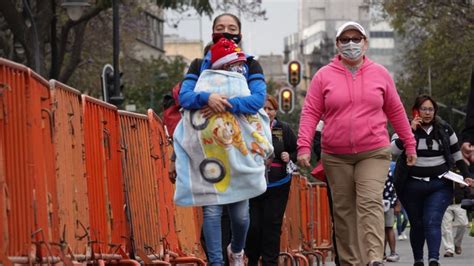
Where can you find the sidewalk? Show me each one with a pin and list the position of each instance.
(406, 258)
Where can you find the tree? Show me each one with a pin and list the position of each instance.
(152, 80)
(437, 50)
(50, 34)
(249, 8)
(74, 52)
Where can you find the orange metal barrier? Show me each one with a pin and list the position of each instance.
(74, 171)
(175, 247)
(104, 173)
(70, 167)
(3, 183)
(306, 229)
(188, 226)
(320, 220)
(140, 181)
(40, 111)
(293, 217)
(28, 162)
(165, 188)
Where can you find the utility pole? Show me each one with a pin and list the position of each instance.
(116, 98)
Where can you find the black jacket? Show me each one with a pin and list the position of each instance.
(284, 139)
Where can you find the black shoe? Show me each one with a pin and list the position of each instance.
(419, 263)
(434, 263)
(448, 254)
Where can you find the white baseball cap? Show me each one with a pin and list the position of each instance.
(351, 25)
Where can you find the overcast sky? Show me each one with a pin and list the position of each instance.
(262, 37)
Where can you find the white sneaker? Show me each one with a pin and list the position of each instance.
(402, 236)
(235, 259)
(394, 257)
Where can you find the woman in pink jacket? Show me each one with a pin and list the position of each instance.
(356, 97)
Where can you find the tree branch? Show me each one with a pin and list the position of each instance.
(75, 54)
(66, 28)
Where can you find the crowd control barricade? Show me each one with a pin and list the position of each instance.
(140, 183)
(188, 228)
(173, 250)
(320, 226)
(292, 241)
(306, 229)
(104, 175)
(28, 190)
(4, 201)
(70, 168)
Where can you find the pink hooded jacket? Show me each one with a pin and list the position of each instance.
(355, 110)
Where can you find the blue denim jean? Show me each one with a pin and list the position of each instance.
(425, 203)
(239, 220)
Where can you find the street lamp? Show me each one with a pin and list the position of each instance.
(74, 8)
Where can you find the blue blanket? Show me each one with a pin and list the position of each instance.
(221, 160)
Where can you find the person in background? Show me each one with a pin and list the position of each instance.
(426, 194)
(391, 208)
(225, 26)
(356, 97)
(455, 218)
(267, 210)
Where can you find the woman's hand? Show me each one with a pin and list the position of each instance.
(303, 160)
(469, 181)
(416, 122)
(411, 159)
(218, 103)
(285, 156)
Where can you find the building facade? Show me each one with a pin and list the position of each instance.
(314, 44)
(150, 39)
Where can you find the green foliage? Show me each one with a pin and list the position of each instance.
(201, 6)
(148, 81)
(438, 38)
(251, 9)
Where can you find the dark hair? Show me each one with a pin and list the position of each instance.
(237, 20)
(208, 47)
(423, 98)
(272, 101)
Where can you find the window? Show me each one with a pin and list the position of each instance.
(381, 34)
(153, 34)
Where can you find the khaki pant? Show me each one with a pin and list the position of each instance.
(454, 218)
(357, 182)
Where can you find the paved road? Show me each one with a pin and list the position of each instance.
(406, 258)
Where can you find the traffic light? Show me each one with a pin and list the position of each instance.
(116, 98)
(287, 100)
(107, 78)
(294, 73)
(109, 93)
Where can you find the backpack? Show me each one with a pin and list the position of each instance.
(171, 114)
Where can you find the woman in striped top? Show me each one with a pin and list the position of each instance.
(426, 195)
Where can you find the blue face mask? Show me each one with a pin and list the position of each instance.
(350, 50)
